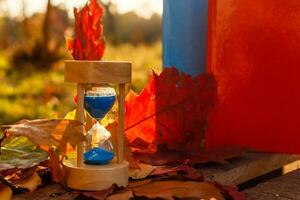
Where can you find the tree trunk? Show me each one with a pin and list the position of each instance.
(46, 28)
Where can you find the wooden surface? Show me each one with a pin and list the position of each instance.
(238, 171)
(97, 72)
(248, 167)
(96, 177)
(51, 192)
(286, 187)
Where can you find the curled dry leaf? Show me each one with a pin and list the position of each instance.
(49, 132)
(232, 192)
(100, 195)
(57, 171)
(5, 193)
(4, 166)
(183, 170)
(178, 189)
(125, 195)
(31, 183)
(142, 172)
(19, 179)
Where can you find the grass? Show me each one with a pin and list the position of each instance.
(144, 59)
(45, 95)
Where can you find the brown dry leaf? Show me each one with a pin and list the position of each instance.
(4, 166)
(142, 172)
(99, 195)
(6, 193)
(57, 171)
(178, 189)
(31, 183)
(16, 176)
(125, 195)
(202, 156)
(49, 132)
(183, 171)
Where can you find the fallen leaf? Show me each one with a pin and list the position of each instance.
(166, 157)
(57, 171)
(31, 183)
(124, 195)
(4, 166)
(135, 183)
(22, 179)
(16, 176)
(88, 43)
(6, 193)
(142, 172)
(100, 195)
(184, 170)
(171, 111)
(20, 152)
(231, 192)
(49, 132)
(178, 189)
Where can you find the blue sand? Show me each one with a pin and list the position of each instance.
(99, 106)
(98, 156)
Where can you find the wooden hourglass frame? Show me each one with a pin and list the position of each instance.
(86, 177)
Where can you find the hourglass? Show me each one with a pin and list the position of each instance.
(98, 100)
(97, 166)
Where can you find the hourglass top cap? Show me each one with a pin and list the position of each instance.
(97, 72)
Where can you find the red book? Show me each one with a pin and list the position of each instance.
(254, 52)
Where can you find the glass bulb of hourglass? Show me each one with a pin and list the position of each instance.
(98, 101)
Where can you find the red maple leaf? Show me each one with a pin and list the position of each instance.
(88, 43)
(170, 112)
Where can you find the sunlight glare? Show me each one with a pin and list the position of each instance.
(143, 8)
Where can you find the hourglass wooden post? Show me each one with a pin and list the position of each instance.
(82, 176)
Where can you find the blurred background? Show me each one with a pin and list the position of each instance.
(32, 50)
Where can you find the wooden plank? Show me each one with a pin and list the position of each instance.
(291, 167)
(286, 187)
(51, 192)
(248, 167)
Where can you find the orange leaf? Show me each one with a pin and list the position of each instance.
(88, 43)
(6, 193)
(178, 189)
(172, 110)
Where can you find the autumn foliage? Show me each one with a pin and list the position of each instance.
(170, 114)
(88, 43)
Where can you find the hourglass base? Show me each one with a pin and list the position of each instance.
(96, 177)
